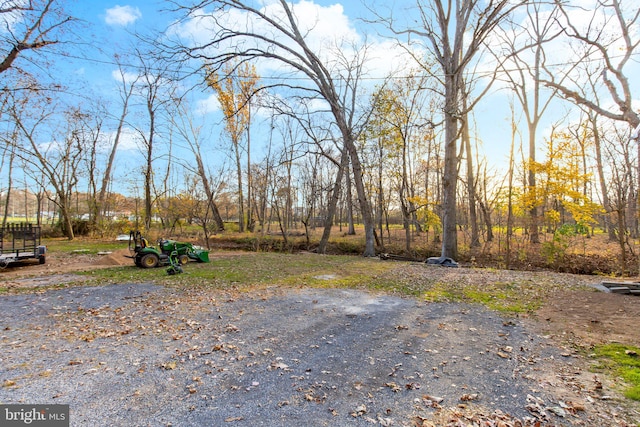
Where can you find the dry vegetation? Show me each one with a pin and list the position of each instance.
(592, 255)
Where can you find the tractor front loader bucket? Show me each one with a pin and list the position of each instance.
(200, 255)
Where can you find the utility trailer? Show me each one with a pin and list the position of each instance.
(20, 242)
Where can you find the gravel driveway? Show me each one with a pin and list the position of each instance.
(138, 355)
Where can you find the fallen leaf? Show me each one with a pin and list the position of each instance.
(360, 410)
(557, 411)
(279, 365)
(169, 365)
(231, 328)
(423, 422)
(575, 406)
(469, 396)
(393, 386)
(432, 401)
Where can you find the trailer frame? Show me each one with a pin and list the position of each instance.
(21, 242)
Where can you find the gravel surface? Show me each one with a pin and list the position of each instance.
(138, 355)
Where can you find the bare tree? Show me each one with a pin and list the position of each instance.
(58, 161)
(608, 41)
(279, 38)
(29, 30)
(9, 150)
(156, 89)
(190, 132)
(29, 26)
(397, 122)
(618, 155)
(608, 44)
(126, 91)
(471, 180)
(88, 130)
(454, 33)
(305, 132)
(523, 45)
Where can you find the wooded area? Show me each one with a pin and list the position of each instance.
(320, 141)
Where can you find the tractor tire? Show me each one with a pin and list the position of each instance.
(149, 261)
(183, 259)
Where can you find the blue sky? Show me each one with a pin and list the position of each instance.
(114, 22)
(109, 27)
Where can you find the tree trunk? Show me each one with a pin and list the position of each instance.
(148, 171)
(333, 202)
(471, 188)
(406, 220)
(380, 199)
(250, 221)
(65, 213)
(450, 177)
(606, 202)
(236, 146)
(106, 177)
(351, 230)
(510, 195)
(365, 206)
(7, 199)
(210, 196)
(534, 235)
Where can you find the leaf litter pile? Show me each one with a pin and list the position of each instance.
(143, 354)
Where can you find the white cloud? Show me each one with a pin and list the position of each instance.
(129, 140)
(122, 15)
(127, 76)
(8, 20)
(208, 105)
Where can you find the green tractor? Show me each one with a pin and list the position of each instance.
(168, 252)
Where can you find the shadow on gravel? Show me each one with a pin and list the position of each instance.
(148, 355)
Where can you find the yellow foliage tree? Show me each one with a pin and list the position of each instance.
(235, 85)
(562, 184)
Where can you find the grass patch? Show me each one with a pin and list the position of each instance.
(622, 361)
(502, 297)
(261, 269)
(82, 246)
(507, 300)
